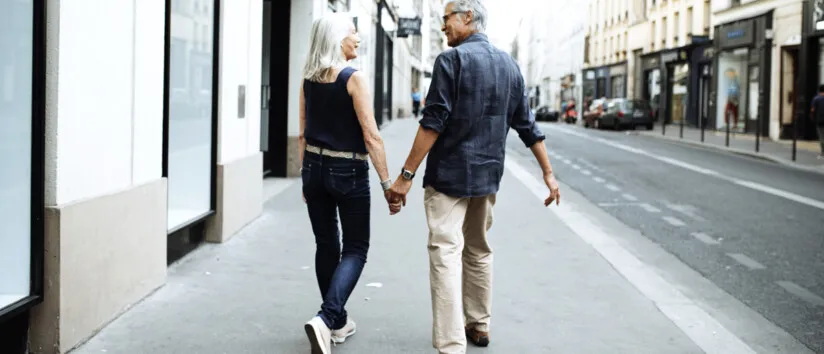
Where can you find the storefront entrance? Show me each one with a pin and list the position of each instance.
(274, 110)
(384, 47)
(741, 71)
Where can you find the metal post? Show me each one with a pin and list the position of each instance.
(803, 69)
(760, 98)
(727, 118)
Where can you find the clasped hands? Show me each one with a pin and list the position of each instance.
(396, 195)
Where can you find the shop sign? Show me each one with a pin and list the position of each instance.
(669, 56)
(818, 14)
(737, 35)
(617, 70)
(602, 72)
(409, 27)
(649, 63)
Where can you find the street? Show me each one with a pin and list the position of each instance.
(753, 228)
(642, 256)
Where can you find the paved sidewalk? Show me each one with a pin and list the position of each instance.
(777, 151)
(553, 292)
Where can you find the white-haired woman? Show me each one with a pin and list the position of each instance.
(338, 134)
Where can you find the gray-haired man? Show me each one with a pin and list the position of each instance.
(477, 94)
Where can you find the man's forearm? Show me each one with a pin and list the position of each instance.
(424, 140)
(539, 150)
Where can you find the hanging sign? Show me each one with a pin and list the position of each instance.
(409, 27)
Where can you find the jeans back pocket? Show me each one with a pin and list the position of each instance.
(343, 180)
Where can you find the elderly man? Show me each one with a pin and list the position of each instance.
(477, 93)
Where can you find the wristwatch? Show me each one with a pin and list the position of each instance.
(407, 174)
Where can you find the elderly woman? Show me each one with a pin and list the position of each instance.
(338, 134)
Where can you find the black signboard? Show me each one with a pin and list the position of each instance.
(409, 26)
(737, 35)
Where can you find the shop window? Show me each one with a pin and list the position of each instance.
(16, 50)
(732, 88)
(189, 158)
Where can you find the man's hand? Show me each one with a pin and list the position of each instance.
(400, 189)
(394, 203)
(554, 190)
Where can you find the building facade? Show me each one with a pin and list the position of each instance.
(756, 44)
(119, 159)
(607, 35)
(672, 62)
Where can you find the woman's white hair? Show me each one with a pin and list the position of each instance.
(478, 12)
(325, 45)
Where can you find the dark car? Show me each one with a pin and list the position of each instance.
(625, 113)
(544, 114)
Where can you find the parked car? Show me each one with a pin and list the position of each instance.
(545, 114)
(625, 113)
(596, 108)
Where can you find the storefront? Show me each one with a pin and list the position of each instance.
(811, 60)
(22, 109)
(701, 85)
(384, 64)
(650, 76)
(742, 73)
(190, 121)
(607, 81)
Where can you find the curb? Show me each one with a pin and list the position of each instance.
(753, 154)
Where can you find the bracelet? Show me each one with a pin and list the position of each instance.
(386, 184)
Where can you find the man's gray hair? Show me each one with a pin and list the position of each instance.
(478, 11)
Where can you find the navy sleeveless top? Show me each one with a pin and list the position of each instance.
(331, 121)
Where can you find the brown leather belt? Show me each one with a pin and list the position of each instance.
(339, 154)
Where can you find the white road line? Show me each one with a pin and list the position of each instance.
(746, 261)
(673, 221)
(566, 161)
(630, 197)
(752, 185)
(686, 209)
(598, 179)
(613, 188)
(650, 208)
(586, 172)
(589, 164)
(705, 238)
(704, 330)
(577, 167)
(616, 204)
(802, 293)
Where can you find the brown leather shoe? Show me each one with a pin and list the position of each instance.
(477, 337)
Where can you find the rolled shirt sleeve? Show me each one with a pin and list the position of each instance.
(441, 95)
(524, 123)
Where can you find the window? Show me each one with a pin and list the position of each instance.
(189, 157)
(676, 27)
(663, 32)
(706, 17)
(689, 21)
(17, 33)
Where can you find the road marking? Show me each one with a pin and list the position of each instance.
(630, 197)
(650, 208)
(748, 184)
(746, 261)
(589, 164)
(673, 221)
(577, 167)
(781, 193)
(799, 291)
(586, 172)
(687, 210)
(598, 179)
(704, 330)
(705, 238)
(616, 204)
(613, 188)
(566, 161)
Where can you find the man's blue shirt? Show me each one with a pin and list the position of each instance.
(477, 94)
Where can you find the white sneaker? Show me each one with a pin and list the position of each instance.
(320, 336)
(339, 335)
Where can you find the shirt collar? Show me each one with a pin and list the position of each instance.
(476, 37)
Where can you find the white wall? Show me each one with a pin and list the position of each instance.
(300, 25)
(240, 64)
(105, 125)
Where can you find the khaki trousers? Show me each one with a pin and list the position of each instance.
(460, 267)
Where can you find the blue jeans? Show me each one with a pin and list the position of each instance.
(335, 186)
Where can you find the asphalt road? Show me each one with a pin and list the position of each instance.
(753, 228)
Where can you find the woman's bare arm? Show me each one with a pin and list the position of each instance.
(359, 90)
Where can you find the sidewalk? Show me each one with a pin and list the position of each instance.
(744, 144)
(552, 293)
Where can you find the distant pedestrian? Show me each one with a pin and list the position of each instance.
(338, 134)
(817, 116)
(463, 138)
(416, 101)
